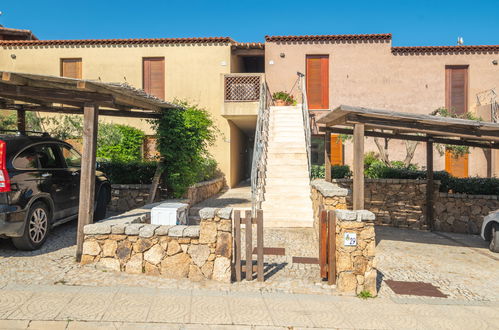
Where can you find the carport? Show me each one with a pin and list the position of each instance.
(363, 122)
(40, 93)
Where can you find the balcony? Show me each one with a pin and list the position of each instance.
(241, 93)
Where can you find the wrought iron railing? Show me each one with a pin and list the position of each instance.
(259, 164)
(306, 119)
(242, 87)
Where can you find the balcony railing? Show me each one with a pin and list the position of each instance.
(242, 87)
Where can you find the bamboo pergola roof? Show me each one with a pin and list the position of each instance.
(43, 93)
(410, 126)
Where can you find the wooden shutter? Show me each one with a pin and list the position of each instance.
(317, 81)
(71, 68)
(456, 89)
(456, 166)
(154, 76)
(336, 150)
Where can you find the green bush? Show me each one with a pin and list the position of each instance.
(337, 171)
(121, 143)
(184, 136)
(133, 172)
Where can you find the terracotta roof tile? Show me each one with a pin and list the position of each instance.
(249, 45)
(116, 41)
(336, 37)
(445, 49)
(10, 31)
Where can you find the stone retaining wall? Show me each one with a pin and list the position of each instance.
(127, 243)
(402, 203)
(125, 197)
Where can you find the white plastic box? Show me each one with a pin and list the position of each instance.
(169, 214)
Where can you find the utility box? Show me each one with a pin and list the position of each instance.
(169, 214)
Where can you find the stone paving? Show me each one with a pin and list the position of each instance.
(77, 307)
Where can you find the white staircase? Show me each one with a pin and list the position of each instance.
(287, 200)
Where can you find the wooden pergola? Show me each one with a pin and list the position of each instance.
(30, 92)
(363, 122)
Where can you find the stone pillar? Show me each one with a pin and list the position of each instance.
(355, 260)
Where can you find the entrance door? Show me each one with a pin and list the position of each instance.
(318, 82)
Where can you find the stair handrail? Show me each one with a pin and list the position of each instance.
(259, 162)
(306, 119)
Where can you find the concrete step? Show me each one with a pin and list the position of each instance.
(286, 223)
(283, 147)
(286, 181)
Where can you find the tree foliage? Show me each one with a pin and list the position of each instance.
(184, 136)
(119, 142)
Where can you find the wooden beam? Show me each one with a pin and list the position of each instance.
(327, 156)
(87, 175)
(21, 120)
(358, 167)
(420, 138)
(79, 111)
(429, 185)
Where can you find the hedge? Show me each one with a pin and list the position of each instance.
(337, 171)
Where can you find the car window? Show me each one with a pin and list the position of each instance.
(48, 157)
(27, 160)
(71, 156)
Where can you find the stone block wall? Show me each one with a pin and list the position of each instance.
(461, 213)
(328, 196)
(125, 197)
(126, 243)
(355, 269)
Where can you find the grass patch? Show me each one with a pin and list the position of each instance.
(365, 295)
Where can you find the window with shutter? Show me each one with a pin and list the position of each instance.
(71, 68)
(317, 77)
(456, 166)
(154, 76)
(336, 150)
(456, 88)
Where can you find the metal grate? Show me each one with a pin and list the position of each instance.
(415, 288)
(242, 88)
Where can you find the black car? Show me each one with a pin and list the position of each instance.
(39, 187)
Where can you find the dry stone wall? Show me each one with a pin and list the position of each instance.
(127, 243)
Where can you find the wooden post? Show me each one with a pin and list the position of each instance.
(21, 120)
(249, 246)
(331, 253)
(327, 155)
(323, 242)
(259, 245)
(358, 167)
(155, 181)
(429, 184)
(237, 244)
(87, 179)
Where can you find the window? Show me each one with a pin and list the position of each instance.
(456, 166)
(27, 160)
(317, 150)
(336, 150)
(48, 157)
(153, 76)
(71, 68)
(317, 76)
(71, 156)
(456, 88)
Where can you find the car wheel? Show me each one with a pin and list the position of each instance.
(36, 229)
(494, 241)
(102, 200)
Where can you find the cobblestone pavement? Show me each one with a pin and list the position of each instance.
(71, 307)
(460, 265)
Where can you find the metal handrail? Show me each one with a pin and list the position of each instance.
(259, 163)
(306, 119)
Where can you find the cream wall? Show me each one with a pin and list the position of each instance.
(192, 72)
(368, 74)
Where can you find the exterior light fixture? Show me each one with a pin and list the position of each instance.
(13, 56)
(282, 55)
(271, 62)
(494, 62)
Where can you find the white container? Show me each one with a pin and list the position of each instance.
(169, 214)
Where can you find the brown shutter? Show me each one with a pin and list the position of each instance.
(317, 81)
(154, 76)
(456, 166)
(336, 150)
(71, 68)
(456, 89)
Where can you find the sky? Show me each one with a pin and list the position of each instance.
(412, 23)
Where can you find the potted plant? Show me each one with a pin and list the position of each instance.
(283, 99)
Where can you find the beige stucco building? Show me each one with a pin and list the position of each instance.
(224, 77)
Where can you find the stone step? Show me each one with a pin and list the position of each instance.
(286, 223)
(287, 181)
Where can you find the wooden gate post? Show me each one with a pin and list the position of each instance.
(249, 246)
(87, 179)
(237, 244)
(331, 262)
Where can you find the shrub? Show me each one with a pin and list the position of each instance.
(130, 172)
(337, 171)
(184, 136)
(121, 143)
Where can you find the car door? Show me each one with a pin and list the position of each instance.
(58, 179)
(72, 160)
